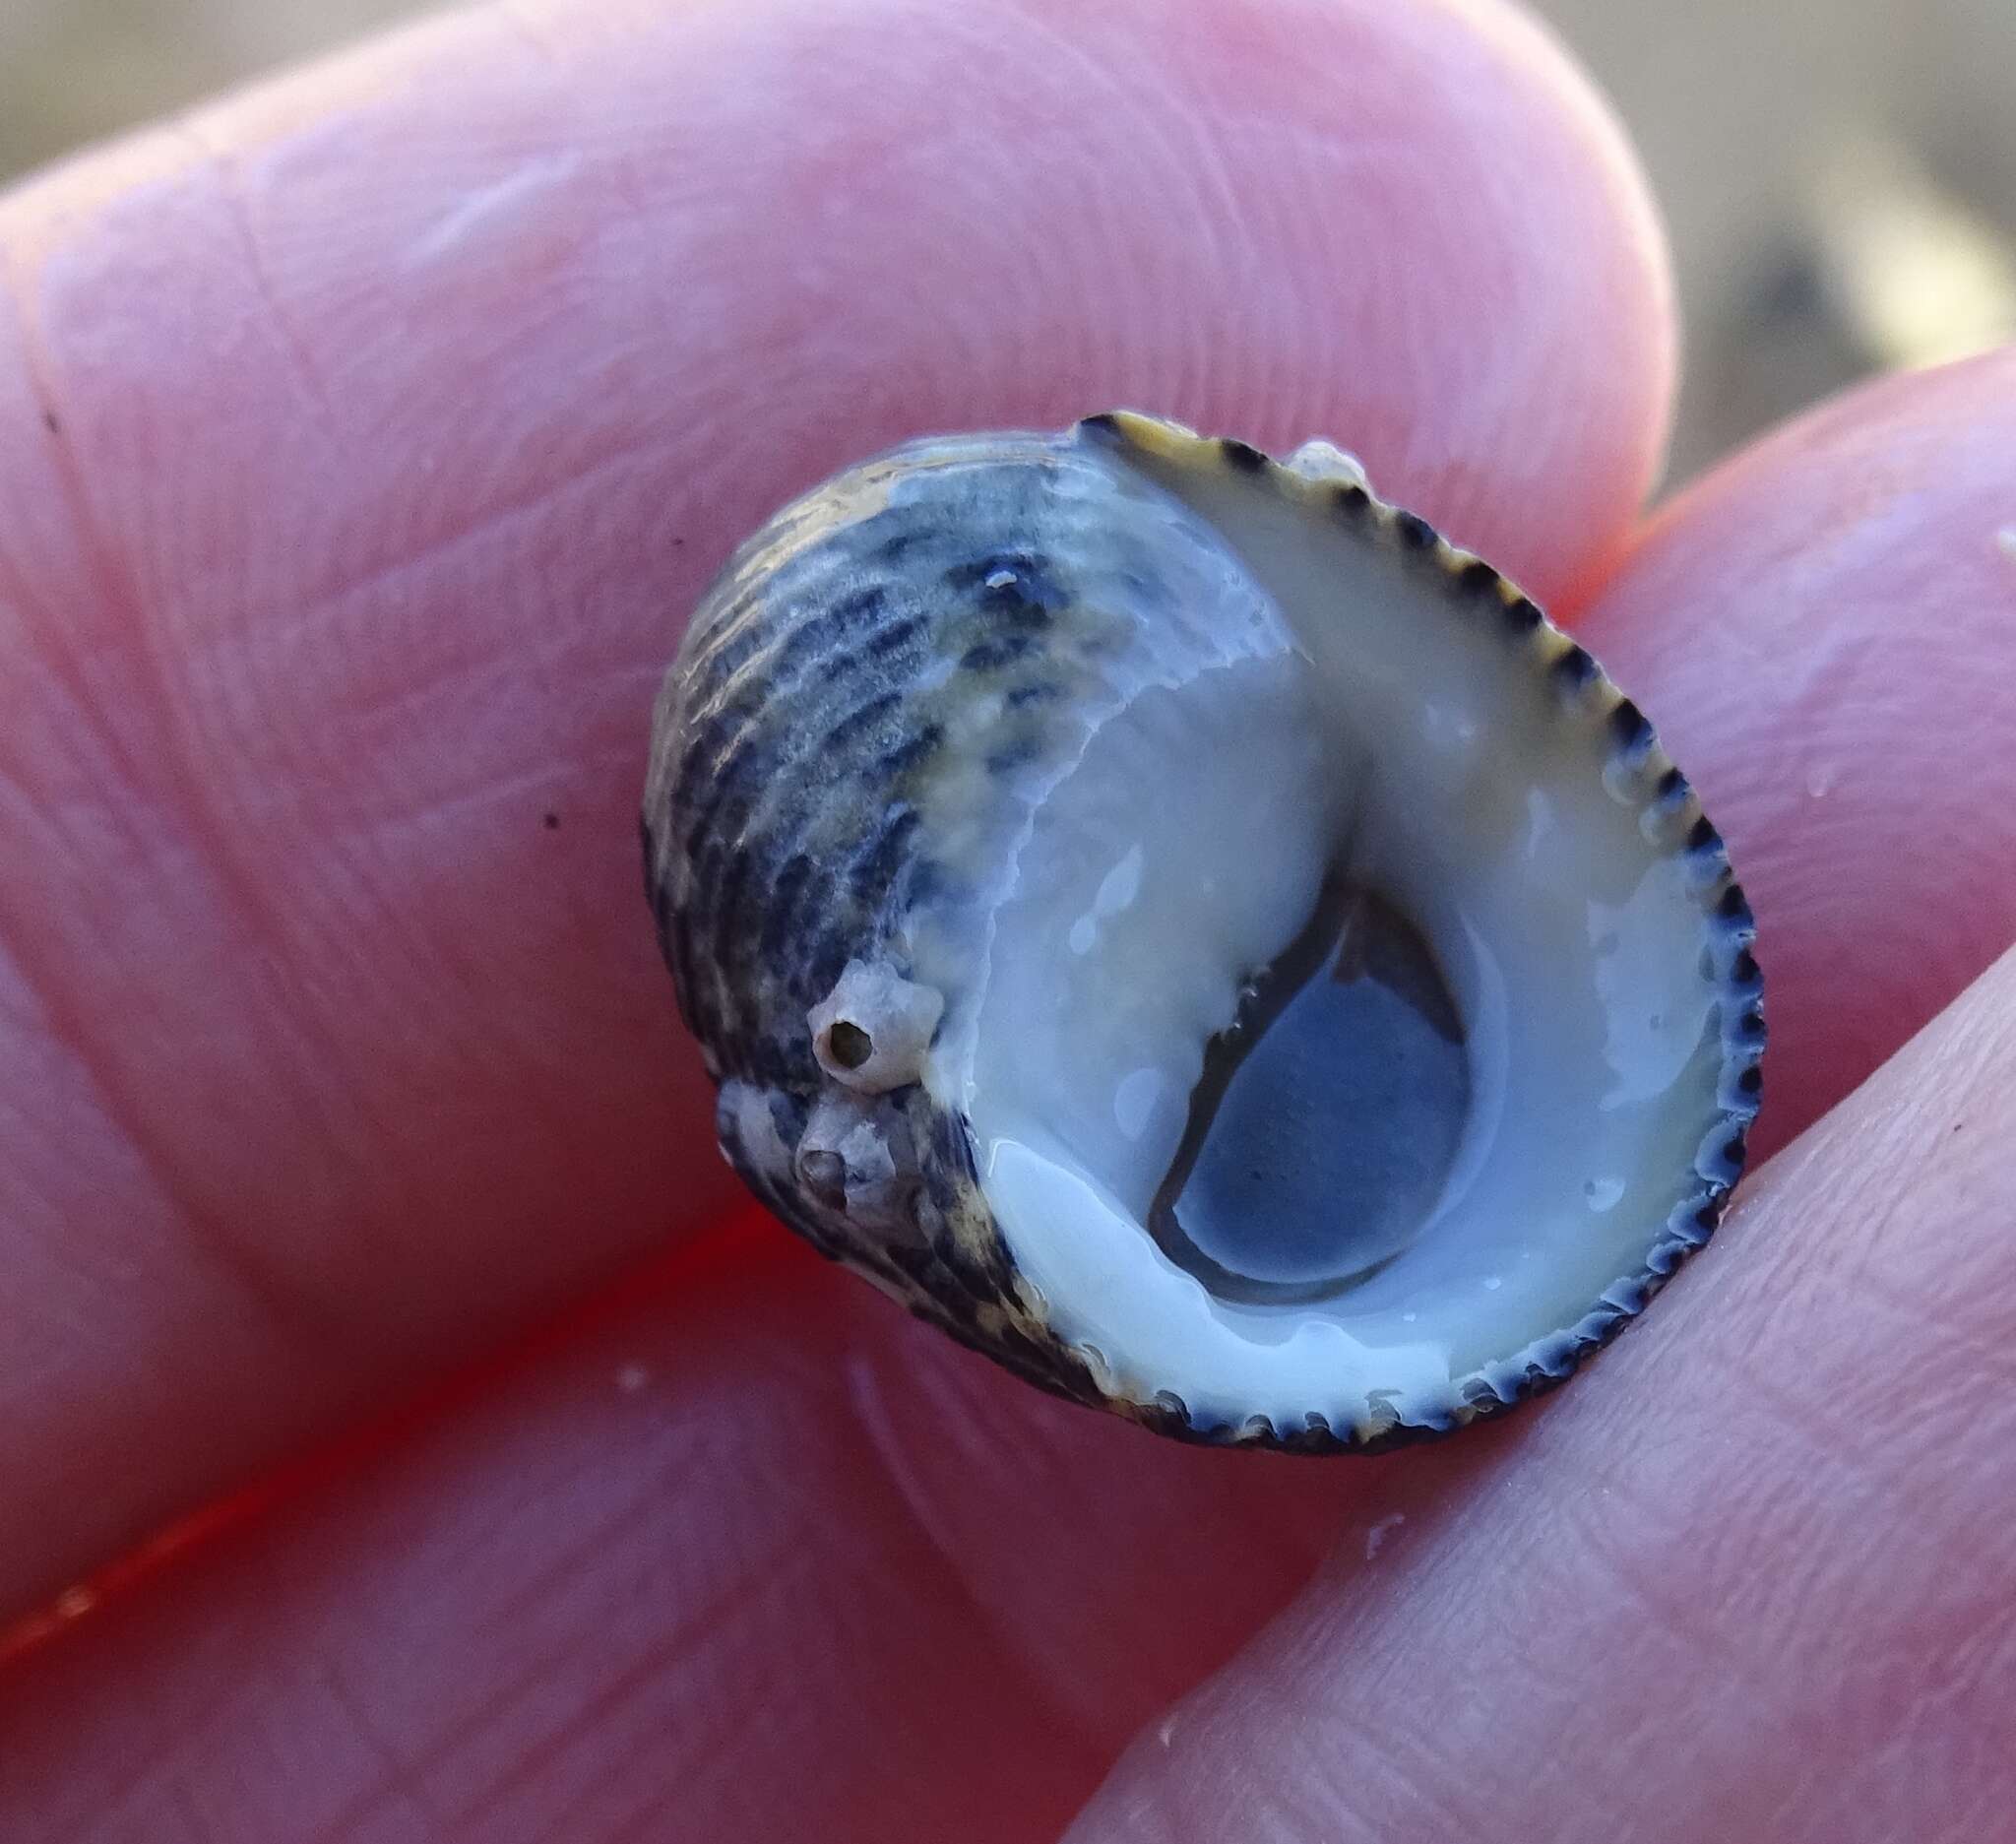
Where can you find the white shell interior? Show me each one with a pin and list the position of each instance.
(1370, 713)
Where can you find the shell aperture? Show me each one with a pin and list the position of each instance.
(1196, 936)
(1291, 1181)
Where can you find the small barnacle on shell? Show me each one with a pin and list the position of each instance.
(1195, 936)
(873, 1030)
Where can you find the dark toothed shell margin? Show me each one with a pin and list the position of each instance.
(1662, 798)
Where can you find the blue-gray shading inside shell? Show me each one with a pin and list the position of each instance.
(863, 696)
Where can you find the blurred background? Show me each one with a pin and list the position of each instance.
(1839, 175)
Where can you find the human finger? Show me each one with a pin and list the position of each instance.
(366, 439)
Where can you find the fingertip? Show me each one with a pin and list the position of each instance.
(407, 401)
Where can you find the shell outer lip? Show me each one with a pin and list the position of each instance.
(1634, 749)
(1001, 1320)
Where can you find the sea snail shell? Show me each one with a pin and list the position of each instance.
(1198, 937)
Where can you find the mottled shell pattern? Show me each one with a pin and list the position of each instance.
(1193, 935)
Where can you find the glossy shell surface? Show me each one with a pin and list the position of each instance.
(995, 786)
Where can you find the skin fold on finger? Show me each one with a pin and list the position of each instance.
(584, 1605)
(1752, 1585)
(1829, 625)
(362, 443)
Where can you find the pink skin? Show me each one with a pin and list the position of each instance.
(402, 408)
(403, 413)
